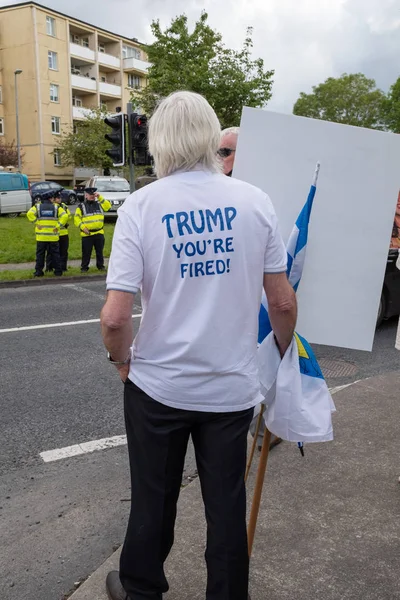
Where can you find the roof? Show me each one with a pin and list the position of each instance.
(57, 12)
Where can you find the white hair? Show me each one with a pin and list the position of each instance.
(229, 130)
(184, 133)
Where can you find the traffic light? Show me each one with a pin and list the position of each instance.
(138, 127)
(117, 138)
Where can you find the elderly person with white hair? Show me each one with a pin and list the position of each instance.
(199, 246)
(227, 149)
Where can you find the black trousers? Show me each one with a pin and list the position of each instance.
(63, 246)
(157, 441)
(88, 242)
(53, 252)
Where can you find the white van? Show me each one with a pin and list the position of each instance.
(15, 197)
(114, 189)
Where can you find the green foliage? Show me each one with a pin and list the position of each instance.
(350, 99)
(199, 62)
(392, 108)
(87, 147)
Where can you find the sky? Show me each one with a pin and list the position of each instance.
(304, 41)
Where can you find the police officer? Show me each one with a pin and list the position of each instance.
(64, 239)
(48, 217)
(89, 218)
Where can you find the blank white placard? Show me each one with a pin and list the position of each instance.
(352, 217)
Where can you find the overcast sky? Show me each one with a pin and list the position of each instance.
(305, 41)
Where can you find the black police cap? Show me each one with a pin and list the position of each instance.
(90, 190)
(51, 194)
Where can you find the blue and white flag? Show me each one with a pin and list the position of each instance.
(296, 252)
(295, 391)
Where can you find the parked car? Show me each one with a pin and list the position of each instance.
(37, 188)
(114, 189)
(14, 194)
(389, 305)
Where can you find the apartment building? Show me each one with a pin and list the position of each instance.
(68, 66)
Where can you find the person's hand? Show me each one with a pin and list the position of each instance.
(55, 230)
(123, 371)
(96, 195)
(86, 230)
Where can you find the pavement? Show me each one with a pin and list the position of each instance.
(328, 527)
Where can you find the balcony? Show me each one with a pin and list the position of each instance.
(110, 89)
(134, 64)
(82, 52)
(78, 112)
(84, 83)
(109, 61)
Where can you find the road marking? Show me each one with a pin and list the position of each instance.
(338, 388)
(49, 325)
(114, 442)
(85, 448)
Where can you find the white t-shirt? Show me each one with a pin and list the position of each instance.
(197, 245)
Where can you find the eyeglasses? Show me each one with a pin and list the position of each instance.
(225, 152)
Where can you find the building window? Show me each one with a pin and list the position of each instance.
(54, 93)
(76, 101)
(53, 60)
(102, 48)
(51, 26)
(57, 158)
(75, 70)
(129, 52)
(133, 81)
(55, 125)
(85, 42)
(1, 95)
(103, 79)
(1, 126)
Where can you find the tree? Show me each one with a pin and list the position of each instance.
(199, 62)
(9, 154)
(351, 99)
(392, 108)
(87, 147)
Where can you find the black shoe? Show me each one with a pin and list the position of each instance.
(38, 274)
(84, 270)
(275, 442)
(101, 269)
(114, 587)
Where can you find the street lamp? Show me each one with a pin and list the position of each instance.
(16, 73)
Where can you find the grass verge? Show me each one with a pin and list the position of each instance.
(19, 274)
(18, 244)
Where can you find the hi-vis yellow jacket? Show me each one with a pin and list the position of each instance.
(48, 218)
(90, 215)
(64, 228)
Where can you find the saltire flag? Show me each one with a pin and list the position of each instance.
(295, 391)
(296, 252)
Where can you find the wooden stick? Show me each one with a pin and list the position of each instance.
(255, 507)
(253, 448)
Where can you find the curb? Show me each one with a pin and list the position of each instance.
(44, 281)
